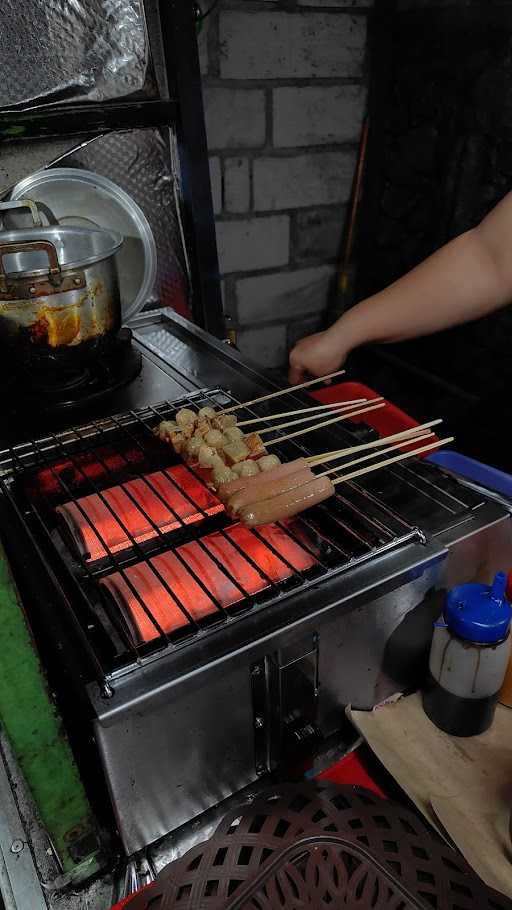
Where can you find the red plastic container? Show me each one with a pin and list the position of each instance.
(128, 900)
(352, 770)
(386, 421)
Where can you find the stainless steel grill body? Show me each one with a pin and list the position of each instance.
(185, 733)
(180, 725)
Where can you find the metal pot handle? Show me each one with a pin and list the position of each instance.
(22, 204)
(31, 246)
(42, 207)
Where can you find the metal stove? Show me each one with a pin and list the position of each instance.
(295, 623)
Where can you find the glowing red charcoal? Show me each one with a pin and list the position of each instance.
(217, 563)
(74, 473)
(119, 518)
(222, 588)
(159, 603)
(229, 548)
(198, 492)
(184, 586)
(282, 541)
(274, 567)
(238, 567)
(163, 606)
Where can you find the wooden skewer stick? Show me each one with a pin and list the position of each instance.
(293, 388)
(393, 448)
(388, 461)
(325, 423)
(406, 435)
(296, 423)
(319, 407)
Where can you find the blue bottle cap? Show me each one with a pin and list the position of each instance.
(479, 613)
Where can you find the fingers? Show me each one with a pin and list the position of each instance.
(296, 375)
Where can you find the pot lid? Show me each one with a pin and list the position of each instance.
(76, 247)
(83, 198)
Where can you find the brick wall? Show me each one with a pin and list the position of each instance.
(284, 95)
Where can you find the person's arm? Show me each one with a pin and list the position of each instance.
(468, 278)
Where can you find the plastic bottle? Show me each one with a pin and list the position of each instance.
(506, 689)
(468, 658)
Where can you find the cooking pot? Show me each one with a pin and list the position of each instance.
(59, 291)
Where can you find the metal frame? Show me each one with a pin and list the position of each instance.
(184, 113)
(76, 119)
(19, 880)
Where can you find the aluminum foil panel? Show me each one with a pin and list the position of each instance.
(18, 160)
(56, 50)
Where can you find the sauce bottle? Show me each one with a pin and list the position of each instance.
(468, 658)
(506, 689)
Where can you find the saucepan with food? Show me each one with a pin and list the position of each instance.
(59, 291)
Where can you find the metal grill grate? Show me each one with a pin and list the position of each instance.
(121, 454)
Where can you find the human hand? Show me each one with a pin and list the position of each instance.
(315, 355)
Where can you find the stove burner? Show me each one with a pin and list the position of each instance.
(64, 382)
(50, 392)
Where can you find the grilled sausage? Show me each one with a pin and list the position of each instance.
(281, 470)
(287, 504)
(266, 489)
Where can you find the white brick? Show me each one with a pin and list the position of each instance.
(314, 115)
(216, 182)
(320, 178)
(235, 118)
(258, 243)
(266, 346)
(342, 4)
(284, 294)
(280, 45)
(237, 185)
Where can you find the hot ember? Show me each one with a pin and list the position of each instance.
(128, 514)
(203, 578)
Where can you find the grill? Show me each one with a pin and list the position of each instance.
(189, 570)
(192, 655)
